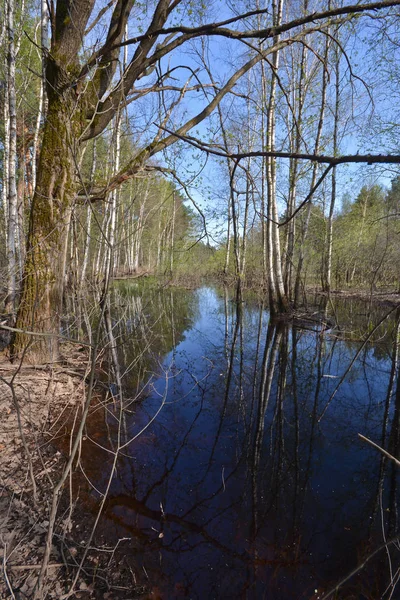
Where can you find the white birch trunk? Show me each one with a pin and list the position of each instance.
(278, 298)
(139, 234)
(86, 249)
(12, 162)
(172, 243)
(114, 201)
(329, 235)
(6, 155)
(305, 224)
(296, 138)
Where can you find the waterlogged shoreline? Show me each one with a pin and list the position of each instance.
(243, 462)
(237, 459)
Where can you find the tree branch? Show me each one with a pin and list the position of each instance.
(390, 456)
(269, 32)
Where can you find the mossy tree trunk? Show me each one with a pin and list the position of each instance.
(41, 295)
(40, 305)
(42, 288)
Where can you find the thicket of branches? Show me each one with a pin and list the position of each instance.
(181, 139)
(119, 177)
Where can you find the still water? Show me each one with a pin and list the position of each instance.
(241, 473)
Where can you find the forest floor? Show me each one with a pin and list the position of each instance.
(38, 405)
(35, 405)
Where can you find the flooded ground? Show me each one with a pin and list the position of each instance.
(240, 470)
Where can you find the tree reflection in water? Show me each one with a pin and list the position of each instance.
(239, 489)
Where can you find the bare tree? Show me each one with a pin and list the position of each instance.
(83, 100)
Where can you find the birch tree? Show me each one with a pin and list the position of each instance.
(84, 94)
(12, 160)
(278, 299)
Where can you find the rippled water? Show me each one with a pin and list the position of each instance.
(241, 473)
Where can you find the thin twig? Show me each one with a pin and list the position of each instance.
(44, 334)
(34, 567)
(360, 567)
(5, 572)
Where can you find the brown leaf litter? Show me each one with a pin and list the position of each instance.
(35, 405)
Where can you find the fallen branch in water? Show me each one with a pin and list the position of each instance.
(380, 449)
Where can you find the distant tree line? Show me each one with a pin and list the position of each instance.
(365, 245)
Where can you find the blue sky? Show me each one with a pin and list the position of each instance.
(361, 134)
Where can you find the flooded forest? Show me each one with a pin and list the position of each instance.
(200, 300)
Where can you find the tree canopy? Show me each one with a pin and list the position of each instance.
(270, 93)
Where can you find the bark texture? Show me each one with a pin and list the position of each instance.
(42, 287)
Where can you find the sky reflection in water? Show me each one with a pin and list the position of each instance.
(251, 482)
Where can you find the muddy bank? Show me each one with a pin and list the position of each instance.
(39, 408)
(35, 404)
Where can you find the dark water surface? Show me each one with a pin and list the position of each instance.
(245, 476)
